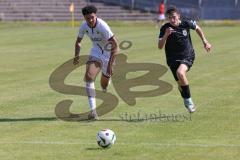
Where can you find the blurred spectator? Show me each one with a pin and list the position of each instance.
(161, 16)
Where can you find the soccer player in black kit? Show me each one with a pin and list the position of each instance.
(175, 35)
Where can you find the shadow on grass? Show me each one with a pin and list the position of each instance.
(95, 149)
(56, 119)
(28, 119)
(129, 120)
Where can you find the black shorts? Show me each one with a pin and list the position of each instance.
(174, 64)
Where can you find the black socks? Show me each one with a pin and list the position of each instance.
(185, 91)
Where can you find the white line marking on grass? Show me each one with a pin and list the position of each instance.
(127, 144)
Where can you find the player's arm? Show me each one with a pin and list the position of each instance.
(163, 39)
(114, 50)
(77, 50)
(206, 44)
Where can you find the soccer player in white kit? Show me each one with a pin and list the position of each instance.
(102, 54)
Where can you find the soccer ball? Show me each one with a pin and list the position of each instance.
(106, 138)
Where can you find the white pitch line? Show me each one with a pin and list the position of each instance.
(127, 144)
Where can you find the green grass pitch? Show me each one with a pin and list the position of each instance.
(30, 52)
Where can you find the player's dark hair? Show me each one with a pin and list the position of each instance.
(89, 10)
(171, 10)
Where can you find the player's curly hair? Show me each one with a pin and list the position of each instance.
(89, 10)
(171, 10)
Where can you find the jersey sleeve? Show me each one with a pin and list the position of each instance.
(191, 24)
(162, 31)
(82, 30)
(106, 31)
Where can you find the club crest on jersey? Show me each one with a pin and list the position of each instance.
(184, 32)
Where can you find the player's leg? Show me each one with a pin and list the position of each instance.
(106, 78)
(181, 74)
(182, 81)
(157, 23)
(184, 87)
(105, 81)
(92, 70)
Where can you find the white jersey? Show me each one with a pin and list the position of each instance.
(99, 35)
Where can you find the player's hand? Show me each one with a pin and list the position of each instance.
(169, 31)
(207, 46)
(76, 60)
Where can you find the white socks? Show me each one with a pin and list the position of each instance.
(90, 88)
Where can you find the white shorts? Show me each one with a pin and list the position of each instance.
(161, 17)
(102, 57)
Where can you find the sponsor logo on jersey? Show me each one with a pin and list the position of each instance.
(96, 39)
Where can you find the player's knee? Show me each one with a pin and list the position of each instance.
(89, 77)
(181, 74)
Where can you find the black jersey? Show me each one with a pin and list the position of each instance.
(179, 45)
